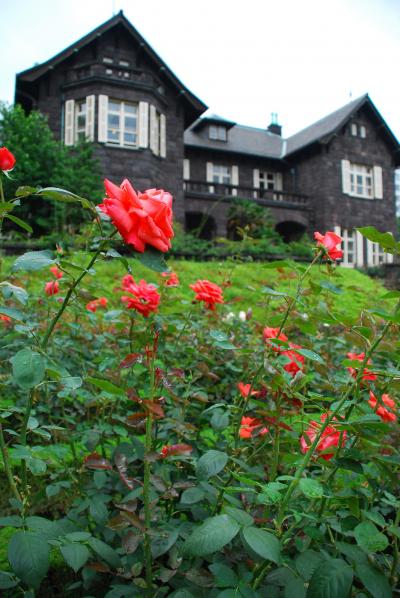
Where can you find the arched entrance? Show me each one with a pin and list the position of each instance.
(201, 225)
(290, 230)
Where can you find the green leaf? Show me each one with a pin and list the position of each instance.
(190, 496)
(307, 562)
(295, 588)
(350, 464)
(98, 510)
(28, 368)
(105, 552)
(57, 194)
(386, 240)
(211, 536)
(163, 542)
(15, 314)
(369, 538)
(7, 581)
(311, 488)
(211, 463)
(19, 222)
(28, 553)
(373, 580)
(332, 579)
(78, 536)
(48, 529)
(75, 555)
(262, 543)
(34, 260)
(224, 576)
(239, 515)
(11, 521)
(330, 287)
(310, 355)
(24, 191)
(6, 206)
(153, 259)
(11, 290)
(107, 386)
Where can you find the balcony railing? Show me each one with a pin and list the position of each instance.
(264, 196)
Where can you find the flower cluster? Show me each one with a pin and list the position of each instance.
(330, 438)
(141, 218)
(209, 292)
(386, 415)
(295, 361)
(367, 374)
(251, 427)
(96, 303)
(144, 297)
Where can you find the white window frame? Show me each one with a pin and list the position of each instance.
(363, 131)
(221, 175)
(354, 129)
(80, 111)
(349, 247)
(217, 133)
(361, 181)
(375, 254)
(122, 114)
(108, 60)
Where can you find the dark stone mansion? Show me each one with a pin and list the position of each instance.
(113, 89)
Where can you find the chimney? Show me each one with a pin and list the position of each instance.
(274, 127)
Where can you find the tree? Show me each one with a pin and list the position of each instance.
(43, 161)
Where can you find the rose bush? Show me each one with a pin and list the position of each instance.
(188, 453)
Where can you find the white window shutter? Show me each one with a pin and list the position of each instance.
(235, 175)
(186, 169)
(163, 136)
(389, 258)
(359, 250)
(278, 181)
(103, 115)
(90, 112)
(143, 124)
(378, 187)
(370, 253)
(256, 181)
(153, 129)
(69, 122)
(346, 176)
(209, 172)
(337, 230)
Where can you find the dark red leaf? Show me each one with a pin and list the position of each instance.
(99, 567)
(130, 542)
(96, 461)
(154, 408)
(121, 464)
(130, 360)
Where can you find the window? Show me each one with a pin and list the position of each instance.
(221, 174)
(267, 180)
(218, 133)
(122, 123)
(348, 247)
(375, 254)
(361, 179)
(354, 129)
(357, 130)
(363, 131)
(124, 63)
(80, 120)
(108, 60)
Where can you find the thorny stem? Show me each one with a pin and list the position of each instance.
(71, 290)
(7, 466)
(22, 438)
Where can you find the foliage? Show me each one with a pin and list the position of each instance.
(42, 161)
(122, 437)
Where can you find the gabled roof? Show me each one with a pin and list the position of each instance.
(212, 119)
(241, 140)
(259, 142)
(195, 105)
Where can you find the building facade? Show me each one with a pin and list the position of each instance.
(111, 88)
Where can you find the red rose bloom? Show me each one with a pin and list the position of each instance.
(51, 288)
(330, 438)
(271, 333)
(209, 292)
(250, 427)
(296, 362)
(5, 319)
(145, 298)
(170, 450)
(172, 279)
(386, 415)
(56, 272)
(330, 241)
(141, 218)
(244, 390)
(7, 160)
(96, 303)
(367, 374)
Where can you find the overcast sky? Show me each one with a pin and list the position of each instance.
(243, 58)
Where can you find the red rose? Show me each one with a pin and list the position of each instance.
(330, 438)
(7, 160)
(172, 279)
(96, 303)
(251, 426)
(56, 272)
(209, 292)
(51, 288)
(386, 415)
(6, 319)
(141, 218)
(367, 374)
(170, 450)
(296, 362)
(244, 390)
(145, 298)
(330, 241)
(271, 333)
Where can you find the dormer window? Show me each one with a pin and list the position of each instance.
(358, 130)
(217, 133)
